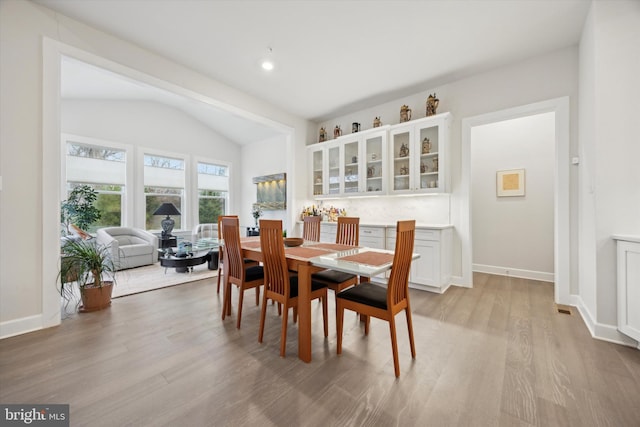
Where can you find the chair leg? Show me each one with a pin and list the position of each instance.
(220, 273)
(263, 315)
(226, 300)
(325, 315)
(394, 345)
(339, 320)
(410, 327)
(295, 314)
(367, 322)
(240, 300)
(283, 334)
(257, 295)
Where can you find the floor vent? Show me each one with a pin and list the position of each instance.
(564, 309)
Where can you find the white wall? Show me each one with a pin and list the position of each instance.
(262, 158)
(514, 235)
(609, 129)
(30, 146)
(156, 127)
(536, 79)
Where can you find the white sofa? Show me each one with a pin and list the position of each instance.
(130, 247)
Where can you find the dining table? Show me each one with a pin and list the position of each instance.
(311, 257)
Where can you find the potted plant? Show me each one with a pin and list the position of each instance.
(78, 209)
(89, 264)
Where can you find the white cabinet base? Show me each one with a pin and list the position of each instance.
(628, 254)
(432, 271)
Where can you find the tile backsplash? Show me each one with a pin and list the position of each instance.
(425, 209)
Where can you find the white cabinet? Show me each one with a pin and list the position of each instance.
(628, 261)
(405, 158)
(419, 153)
(370, 236)
(353, 164)
(328, 232)
(432, 271)
(376, 170)
(324, 163)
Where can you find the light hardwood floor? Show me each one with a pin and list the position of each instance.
(496, 355)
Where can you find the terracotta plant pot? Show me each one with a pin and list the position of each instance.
(94, 299)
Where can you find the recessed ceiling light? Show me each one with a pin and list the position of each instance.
(267, 62)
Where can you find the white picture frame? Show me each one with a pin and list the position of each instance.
(510, 183)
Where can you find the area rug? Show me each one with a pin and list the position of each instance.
(150, 277)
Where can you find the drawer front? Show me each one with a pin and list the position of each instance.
(427, 235)
(372, 242)
(371, 232)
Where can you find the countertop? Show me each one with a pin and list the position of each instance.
(627, 237)
(388, 225)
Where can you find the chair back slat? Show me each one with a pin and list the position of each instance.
(220, 236)
(398, 286)
(233, 261)
(348, 231)
(276, 273)
(311, 228)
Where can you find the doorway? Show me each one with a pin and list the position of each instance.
(53, 52)
(512, 181)
(561, 210)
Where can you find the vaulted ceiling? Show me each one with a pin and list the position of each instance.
(333, 57)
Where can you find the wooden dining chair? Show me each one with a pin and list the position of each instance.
(236, 270)
(248, 262)
(311, 228)
(347, 233)
(372, 300)
(280, 285)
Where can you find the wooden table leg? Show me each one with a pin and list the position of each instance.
(304, 313)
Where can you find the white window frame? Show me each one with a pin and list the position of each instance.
(185, 211)
(127, 197)
(196, 190)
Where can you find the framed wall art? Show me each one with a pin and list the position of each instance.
(510, 183)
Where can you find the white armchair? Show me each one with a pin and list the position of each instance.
(130, 247)
(204, 231)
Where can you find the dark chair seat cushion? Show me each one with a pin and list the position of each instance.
(333, 276)
(366, 293)
(293, 281)
(254, 273)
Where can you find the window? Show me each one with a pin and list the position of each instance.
(164, 181)
(104, 169)
(213, 191)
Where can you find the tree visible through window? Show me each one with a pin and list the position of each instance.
(213, 186)
(104, 169)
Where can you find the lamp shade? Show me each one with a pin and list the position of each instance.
(167, 209)
(167, 223)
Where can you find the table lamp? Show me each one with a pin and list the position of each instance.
(167, 223)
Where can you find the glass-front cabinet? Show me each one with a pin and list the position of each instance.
(351, 170)
(351, 165)
(419, 150)
(333, 156)
(405, 158)
(317, 166)
(374, 147)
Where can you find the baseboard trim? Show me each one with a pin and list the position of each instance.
(514, 272)
(21, 326)
(602, 331)
(458, 281)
